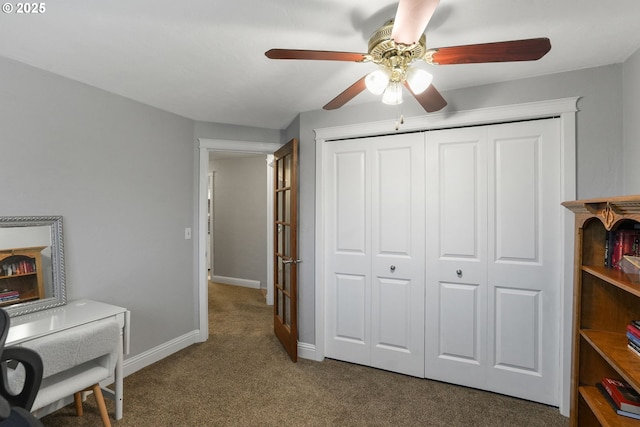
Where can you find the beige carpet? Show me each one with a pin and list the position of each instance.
(242, 377)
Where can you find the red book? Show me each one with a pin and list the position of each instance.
(634, 331)
(625, 396)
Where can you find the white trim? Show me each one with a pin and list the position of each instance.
(235, 281)
(568, 190)
(239, 146)
(516, 112)
(206, 145)
(306, 351)
(201, 273)
(153, 355)
(565, 108)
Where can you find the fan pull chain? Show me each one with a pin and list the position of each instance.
(399, 118)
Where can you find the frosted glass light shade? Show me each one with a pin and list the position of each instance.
(377, 81)
(393, 94)
(418, 79)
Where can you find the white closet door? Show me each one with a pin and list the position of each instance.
(493, 256)
(524, 259)
(456, 319)
(348, 257)
(375, 252)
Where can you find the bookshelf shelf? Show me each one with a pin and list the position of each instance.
(21, 276)
(602, 411)
(605, 302)
(612, 346)
(614, 277)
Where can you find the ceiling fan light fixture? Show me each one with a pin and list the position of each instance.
(393, 94)
(418, 79)
(377, 81)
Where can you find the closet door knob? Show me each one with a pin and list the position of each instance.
(392, 268)
(459, 272)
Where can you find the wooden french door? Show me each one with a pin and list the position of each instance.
(285, 262)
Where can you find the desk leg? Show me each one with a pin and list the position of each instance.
(119, 387)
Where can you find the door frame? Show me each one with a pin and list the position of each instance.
(565, 109)
(205, 146)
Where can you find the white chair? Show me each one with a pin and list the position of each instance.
(77, 360)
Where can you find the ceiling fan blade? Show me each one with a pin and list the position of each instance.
(411, 20)
(430, 99)
(346, 96)
(321, 55)
(515, 50)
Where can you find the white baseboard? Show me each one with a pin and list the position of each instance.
(255, 284)
(158, 353)
(307, 351)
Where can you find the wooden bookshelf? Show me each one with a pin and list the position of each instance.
(21, 272)
(605, 301)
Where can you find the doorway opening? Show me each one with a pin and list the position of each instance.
(241, 148)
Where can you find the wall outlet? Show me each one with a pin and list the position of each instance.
(187, 233)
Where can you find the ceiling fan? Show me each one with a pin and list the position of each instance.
(399, 43)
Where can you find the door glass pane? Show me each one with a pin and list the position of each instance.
(286, 240)
(287, 312)
(280, 305)
(287, 205)
(286, 280)
(281, 206)
(287, 171)
(280, 170)
(281, 276)
(280, 239)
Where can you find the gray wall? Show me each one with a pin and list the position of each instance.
(631, 123)
(121, 174)
(123, 177)
(240, 218)
(599, 150)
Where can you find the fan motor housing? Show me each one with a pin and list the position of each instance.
(382, 46)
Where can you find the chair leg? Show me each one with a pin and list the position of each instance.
(77, 397)
(97, 393)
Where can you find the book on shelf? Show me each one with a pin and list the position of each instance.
(607, 248)
(625, 397)
(632, 339)
(634, 348)
(619, 243)
(613, 404)
(633, 330)
(7, 295)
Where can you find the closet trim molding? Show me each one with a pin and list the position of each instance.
(506, 113)
(565, 109)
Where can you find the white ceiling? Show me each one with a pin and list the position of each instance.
(204, 59)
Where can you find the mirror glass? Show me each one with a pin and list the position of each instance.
(31, 264)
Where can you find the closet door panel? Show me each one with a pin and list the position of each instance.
(393, 296)
(350, 291)
(459, 335)
(517, 321)
(458, 165)
(517, 192)
(523, 269)
(456, 307)
(375, 252)
(397, 217)
(348, 253)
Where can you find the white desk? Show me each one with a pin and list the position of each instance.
(75, 313)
